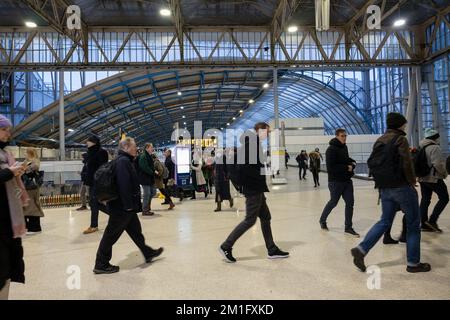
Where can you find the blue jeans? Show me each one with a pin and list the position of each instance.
(149, 193)
(338, 190)
(406, 198)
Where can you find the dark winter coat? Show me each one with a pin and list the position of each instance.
(170, 166)
(338, 161)
(253, 181)
(12, 265)
(128, 186)
(221, 180)
(146, 169)
(95, 158)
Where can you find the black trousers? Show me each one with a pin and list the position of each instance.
(255, 206)
(166, 193)
(93, 203)
(338, 190)
(117, 224)
(427, 189)
(300, 170)
(315, 174)
(33, 224)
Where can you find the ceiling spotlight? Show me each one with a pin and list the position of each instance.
(228, 123)
(184, 117)
(293, 29)
(70, 130)
(164, 12)
(181, 107)
(179, 93)
(251, 101)
(399, 22)
(241, 111)
(30, 24)
(234, 118)
(266, 85)
(221, 128)
(184, 123)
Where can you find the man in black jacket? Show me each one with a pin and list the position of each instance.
(123, 211)
(340, 169)
(96, 156)
(253, 187)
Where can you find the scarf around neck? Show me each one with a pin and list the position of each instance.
(17, 196)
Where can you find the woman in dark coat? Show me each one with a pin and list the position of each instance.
(12, 222)
(221, 182)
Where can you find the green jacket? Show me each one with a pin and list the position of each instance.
(146, 169)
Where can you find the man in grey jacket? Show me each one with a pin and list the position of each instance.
(433, 182)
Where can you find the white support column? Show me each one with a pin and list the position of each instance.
(419, 103)
(276, 143)
(411, 109)
(62, 137)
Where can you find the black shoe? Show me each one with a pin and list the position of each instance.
(148, 213)
(358, 259)
(154, 254)
(389, 240)
(402, 238)
(421, 267)
(82, 208)
(426, 228)
(433, 226)
(231, 203)
(227, 254)
(352, 233)
(323, 226)
(107, 270)
(278, 254)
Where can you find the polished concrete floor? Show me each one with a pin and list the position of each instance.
(320, 266)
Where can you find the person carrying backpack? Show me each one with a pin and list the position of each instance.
(433, 180)
(392, 168)
(123, 211)
(162, 172)
(252, 182)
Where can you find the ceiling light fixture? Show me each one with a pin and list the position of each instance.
(30, 24)
(399, 22)
(164, 12)
(251, 101)
(266, 85)
(293, 29)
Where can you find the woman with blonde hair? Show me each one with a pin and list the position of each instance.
(32, 180)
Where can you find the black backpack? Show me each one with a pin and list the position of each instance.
(383, 164)
(420, 161)
(105, 182)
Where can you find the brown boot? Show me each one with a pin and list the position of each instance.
(171, 206)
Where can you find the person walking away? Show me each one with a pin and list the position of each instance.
(314, 166)
(96, 156)
(286, 158)
(207, 170)
(340, 169)
(198, 180)
(169, 183)
(253, 185)
(392, 168)
(123, 211)
(222, 182)
(302, 160)
(433, 181)
(317, 150)
(159, 174)
(84, 189)
(32, 180)
(146, 171)
(13, 197)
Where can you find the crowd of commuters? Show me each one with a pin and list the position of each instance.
(20, 209)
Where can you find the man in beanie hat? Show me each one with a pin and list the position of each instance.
(96, 156)
(433, 182)
(396, 192)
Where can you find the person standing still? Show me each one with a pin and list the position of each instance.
(84, 189)
(340, 169)
(95, 158)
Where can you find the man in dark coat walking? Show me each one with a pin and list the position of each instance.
(253, 187)
(123, 211)
(96, 156)
(340, 169)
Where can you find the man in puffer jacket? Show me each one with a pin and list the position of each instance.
(433, 182)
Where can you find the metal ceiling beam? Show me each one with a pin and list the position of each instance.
(179, 24)
(54, 13)
(283, 13)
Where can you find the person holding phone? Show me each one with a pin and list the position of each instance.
(12, 223)
(32, 181)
